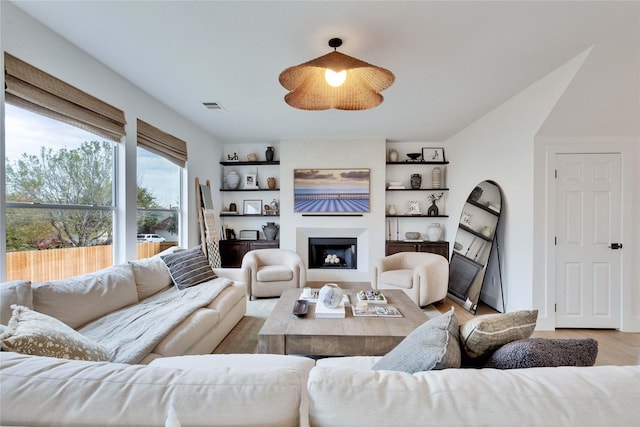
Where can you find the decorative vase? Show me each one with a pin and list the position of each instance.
(271, 183)
(233, 180)
(416, 181)
(274, 205)
(436, 178)
(393, 155)
(270, 230)
(434, 232)
(269, 154)
(433, 209)
(392, 209)
(330, 295)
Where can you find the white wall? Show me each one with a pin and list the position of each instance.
(499, 147)
(335, 154)
(27, 39)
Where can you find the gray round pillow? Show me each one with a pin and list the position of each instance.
(541, 352)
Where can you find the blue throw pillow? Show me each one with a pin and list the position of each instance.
(431, 346)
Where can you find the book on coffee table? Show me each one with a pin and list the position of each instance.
(376, 311)
(323, 312)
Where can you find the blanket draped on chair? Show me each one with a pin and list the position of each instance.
(133, 332)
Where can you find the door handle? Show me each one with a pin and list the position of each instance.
(615, 246)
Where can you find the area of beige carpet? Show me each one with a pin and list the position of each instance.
(244, 337)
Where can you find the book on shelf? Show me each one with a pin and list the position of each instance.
(376, 311)
(396, 187)
(324, 312)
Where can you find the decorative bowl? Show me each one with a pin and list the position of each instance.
(412, 235)
(414, 156)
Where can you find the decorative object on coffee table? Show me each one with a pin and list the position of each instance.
(331, 295)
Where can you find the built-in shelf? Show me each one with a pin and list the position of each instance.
(410, 162)
(417, 189)
(250, 189)
(247, 216)
(417, 216)
(274, 162)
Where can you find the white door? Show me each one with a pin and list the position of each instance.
(588, 221)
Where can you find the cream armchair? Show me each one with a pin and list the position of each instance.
(273, 270)
(423, 276)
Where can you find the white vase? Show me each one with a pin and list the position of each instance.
(330, 295)
(392, 209)
(436, 178)
(393, 155)
(434, 232)
(232, 179)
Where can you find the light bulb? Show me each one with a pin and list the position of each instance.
(335, 79)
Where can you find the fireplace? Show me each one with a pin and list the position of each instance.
(333, 252)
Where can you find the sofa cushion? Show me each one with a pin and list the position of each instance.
(541, 352)
(37, 334)
(302, 365)
(483, 334)
(402, 278)
(189, 268)
(81, 299)
(563, 396)
(274, 273)
(41, 390)
(431, 346)
(14, 292)
(151, 276)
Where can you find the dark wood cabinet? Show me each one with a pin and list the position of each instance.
(395, 246)
(232, 251)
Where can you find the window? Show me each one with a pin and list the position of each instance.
(60, 197)
(158, 200)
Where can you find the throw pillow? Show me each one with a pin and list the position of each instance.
(542, 352)
(14, 292)
(482, 335)
(37, 334)
(431, 346)
(189, 268)
(151, 275)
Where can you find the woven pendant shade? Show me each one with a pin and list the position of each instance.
(310, 91)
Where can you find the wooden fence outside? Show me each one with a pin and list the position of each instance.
(53, 264)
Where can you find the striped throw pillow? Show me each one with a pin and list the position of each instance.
(188, 268)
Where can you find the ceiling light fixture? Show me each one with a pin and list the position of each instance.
(335, 80)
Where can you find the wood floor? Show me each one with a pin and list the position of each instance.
(614, 347)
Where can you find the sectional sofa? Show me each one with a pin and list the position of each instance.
(276, 390)
(135, 311)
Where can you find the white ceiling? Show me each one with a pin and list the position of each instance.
(453, 61)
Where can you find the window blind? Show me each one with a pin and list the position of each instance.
(161, 143)
(32, 89)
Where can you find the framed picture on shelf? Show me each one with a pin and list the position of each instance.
(250, 181)
(431, 154)
(252, 207)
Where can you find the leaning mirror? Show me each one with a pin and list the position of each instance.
(475, 245)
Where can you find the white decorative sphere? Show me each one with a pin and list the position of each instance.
(330, 295)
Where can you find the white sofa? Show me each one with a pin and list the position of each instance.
(274, 390)
(85, 302)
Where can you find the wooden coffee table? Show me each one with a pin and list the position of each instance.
(285, 333)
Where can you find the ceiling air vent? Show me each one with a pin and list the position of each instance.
(213, 105)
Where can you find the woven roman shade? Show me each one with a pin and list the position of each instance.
(161, 143)
(34, 90)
